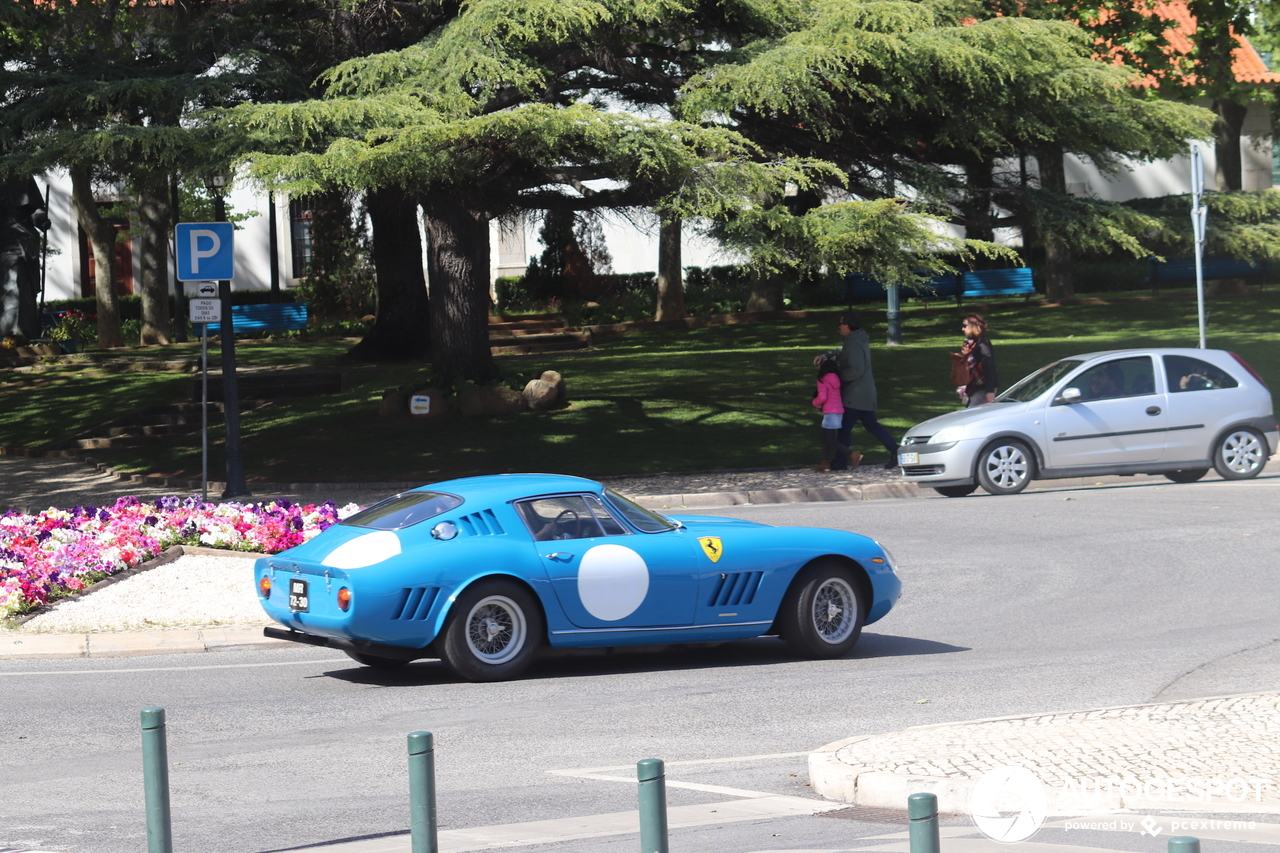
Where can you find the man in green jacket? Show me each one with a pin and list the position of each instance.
(858, 388)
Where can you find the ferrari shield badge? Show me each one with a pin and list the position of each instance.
(711, 547)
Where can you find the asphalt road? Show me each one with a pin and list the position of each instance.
(1054, 600)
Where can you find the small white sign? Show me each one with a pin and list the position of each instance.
(200, 289)
(420, 404)
(206, 310)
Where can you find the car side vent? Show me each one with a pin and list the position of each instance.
(415, 602)
(483, 523)
(736, 588)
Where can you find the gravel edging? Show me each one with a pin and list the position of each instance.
(135, 606)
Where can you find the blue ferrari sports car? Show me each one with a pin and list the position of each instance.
(482, 572)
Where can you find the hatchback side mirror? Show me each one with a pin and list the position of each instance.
(1070, 395)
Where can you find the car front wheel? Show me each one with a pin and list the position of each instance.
(1240, 454)
(822, 614)
(492, 632)
(1005, 467)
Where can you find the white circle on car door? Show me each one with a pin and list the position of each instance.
(612, 582)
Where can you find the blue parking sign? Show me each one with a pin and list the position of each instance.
(206, 250)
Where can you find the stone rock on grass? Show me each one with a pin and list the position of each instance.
(490, 400)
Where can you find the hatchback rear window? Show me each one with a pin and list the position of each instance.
(404, 510)
(1192, 374)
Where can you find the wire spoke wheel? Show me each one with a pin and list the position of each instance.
(492, 632)
(835, 610)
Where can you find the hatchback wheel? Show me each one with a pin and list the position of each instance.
(1240, 454)
(1005, 467)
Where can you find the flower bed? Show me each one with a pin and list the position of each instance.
(61, 551)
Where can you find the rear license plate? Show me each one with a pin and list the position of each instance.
(908, 458)
(299, 601)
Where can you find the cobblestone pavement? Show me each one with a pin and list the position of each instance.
(1220, 754)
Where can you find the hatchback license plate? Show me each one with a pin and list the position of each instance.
(908, 458)
(299, 601)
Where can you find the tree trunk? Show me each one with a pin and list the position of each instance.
(976, 206)
(670, 272)
(102, 239)
(153, 222)
(402, 323)
(1059, 273)
(458, 275)
(766, 292)
(1227, 129)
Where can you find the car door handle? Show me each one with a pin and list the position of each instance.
(1153, 410)
(559, 555)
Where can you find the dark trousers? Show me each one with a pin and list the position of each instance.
(873, 426)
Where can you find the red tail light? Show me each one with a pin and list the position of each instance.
(264, 586)
(344, 599)
(1246, 366)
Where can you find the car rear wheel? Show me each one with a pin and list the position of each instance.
(822, 614)
(375, 661)
(492, 632)
(956, 491)
(1240, 454)
(1005, 467)
(1188, 475)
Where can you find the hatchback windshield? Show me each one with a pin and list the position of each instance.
(1037, 383)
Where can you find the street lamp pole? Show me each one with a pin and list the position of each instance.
(230, 391)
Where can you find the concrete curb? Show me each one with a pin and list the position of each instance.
(835, 774)
(869, 492)
(134, 643)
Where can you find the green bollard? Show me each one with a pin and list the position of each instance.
(155, 781)
(422, 794)
(653, 805)
(922, 809)
(1184, 844)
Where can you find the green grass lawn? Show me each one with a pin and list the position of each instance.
(701, 399)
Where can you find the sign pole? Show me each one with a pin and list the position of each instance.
(206, 252)
(204, 412)
(1199, 216)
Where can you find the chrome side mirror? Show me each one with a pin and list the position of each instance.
(444, 531)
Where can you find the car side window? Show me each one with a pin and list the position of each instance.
(562, 517)
(1122, 377)
(1186, 373)
(610, 525)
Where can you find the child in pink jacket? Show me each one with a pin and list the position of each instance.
(829, 401)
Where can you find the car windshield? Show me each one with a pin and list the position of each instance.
(1042, 380)
(404, 510)
(642, 519)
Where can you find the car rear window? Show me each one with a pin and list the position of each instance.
(404, 510)
(1192, 374)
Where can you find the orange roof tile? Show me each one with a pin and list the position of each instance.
(1246, 63)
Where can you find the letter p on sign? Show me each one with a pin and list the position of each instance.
(206, 250)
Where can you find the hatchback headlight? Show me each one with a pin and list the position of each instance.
(946, 434)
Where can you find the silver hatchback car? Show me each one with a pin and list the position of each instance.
(1176, 412)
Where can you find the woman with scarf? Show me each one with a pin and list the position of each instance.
(981, 361)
